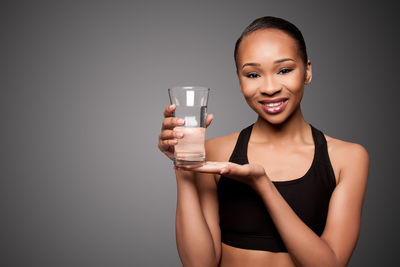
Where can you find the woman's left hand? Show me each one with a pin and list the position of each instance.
(251, 174)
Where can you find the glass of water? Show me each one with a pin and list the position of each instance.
(191, 105)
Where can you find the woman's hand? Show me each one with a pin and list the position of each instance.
(168, 137)
(251, 174)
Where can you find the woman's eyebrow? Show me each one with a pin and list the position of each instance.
(283, 60)
(275, 62)
(251, 64)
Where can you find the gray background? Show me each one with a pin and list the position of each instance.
(83, 86)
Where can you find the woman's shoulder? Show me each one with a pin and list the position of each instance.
(346, 155)
(345, 147)
(220, 148)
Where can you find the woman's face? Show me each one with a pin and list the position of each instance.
(272, 74)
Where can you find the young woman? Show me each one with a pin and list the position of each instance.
(279, 192)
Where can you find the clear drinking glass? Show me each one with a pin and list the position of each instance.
(191, 105)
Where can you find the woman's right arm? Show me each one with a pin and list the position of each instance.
(197, 228)
(197, 220)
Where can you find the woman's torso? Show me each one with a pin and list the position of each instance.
(300, 156)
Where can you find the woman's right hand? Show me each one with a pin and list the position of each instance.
(168, 138)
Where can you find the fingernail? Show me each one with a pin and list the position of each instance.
(179, 134)
(172, 106)
(181, 121)
(224, 171)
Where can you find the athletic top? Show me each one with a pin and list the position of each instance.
(244, 219)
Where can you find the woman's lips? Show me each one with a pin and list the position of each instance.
(274, 106)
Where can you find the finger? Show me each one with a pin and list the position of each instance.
(166, 145)
(169, 110)
(209, 119)
(170, 134)
(169, 154)
(207, 167)
(236, 170)
(171, 122)
(239, 171)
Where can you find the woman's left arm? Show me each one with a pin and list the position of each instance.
(339, 238)
(336, 244)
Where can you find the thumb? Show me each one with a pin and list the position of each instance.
(209, 119)
(236, 170)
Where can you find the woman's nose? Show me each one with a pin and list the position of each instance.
(270, 86)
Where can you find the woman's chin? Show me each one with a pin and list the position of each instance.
(274, 120)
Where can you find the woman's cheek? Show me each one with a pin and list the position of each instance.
(248, 87)
(295, 85)
(249, 92)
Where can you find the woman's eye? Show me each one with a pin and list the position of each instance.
(252, 75)
(284, 71)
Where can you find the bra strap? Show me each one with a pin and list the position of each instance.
(322, 156)
(239, 154)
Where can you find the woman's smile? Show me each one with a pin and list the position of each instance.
(274, 106)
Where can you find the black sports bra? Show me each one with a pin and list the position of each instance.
(244, 220)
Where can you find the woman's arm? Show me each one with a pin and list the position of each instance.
(197, 229)
(339, 238)
(198, 233)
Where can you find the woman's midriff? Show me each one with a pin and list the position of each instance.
(237, 257)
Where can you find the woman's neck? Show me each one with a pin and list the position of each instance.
(294, 129)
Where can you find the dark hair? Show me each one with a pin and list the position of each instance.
(269, 22)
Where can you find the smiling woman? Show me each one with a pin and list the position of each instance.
(279, 192)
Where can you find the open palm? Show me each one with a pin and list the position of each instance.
(251, 174)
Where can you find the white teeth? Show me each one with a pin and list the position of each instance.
(274, 104)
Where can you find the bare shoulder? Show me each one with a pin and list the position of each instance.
(345, 150)
(347, 157)
(220, 148)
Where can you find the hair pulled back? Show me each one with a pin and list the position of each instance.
(269, 22)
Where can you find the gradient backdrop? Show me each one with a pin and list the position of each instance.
(82, 88)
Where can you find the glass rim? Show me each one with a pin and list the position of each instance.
(196, 88)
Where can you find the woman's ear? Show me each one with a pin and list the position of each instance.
(308, 73)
